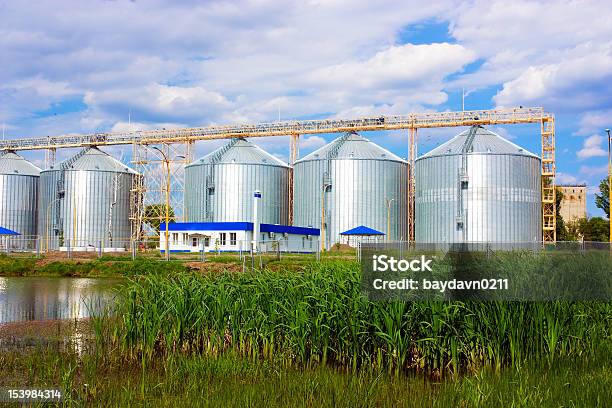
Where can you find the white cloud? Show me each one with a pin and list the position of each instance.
(566, 178)
(134, 126)
(579, 80)
(551, 53)
(594, 171)
(592, 147)
(396, 65)
(595, 121)
(312, 142)
(160, 101)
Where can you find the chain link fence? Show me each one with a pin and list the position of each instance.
(125, 249)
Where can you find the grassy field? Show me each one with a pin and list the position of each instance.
(230, 380)
(302, 334)
(122, 265)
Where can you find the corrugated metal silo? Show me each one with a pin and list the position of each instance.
(219, 186)
(358, 177)
(478, 187)
(85, 201)
(18, 197)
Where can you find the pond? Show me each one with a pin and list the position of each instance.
(47, 298)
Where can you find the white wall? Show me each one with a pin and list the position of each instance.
(181, 241)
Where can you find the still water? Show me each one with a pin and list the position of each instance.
(39, 298)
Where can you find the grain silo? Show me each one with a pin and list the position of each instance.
(219, 187)
(478, 187)
(18, 197)
(354, 182)
(85, 202)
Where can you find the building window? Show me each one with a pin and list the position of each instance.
(175, 237)
(206, 241)
(194, 242)
(222, 238)
(232, 238)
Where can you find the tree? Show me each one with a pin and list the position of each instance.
(562, 232)
(594, 229)
(155, 214)
(572, 229)
(603, 201)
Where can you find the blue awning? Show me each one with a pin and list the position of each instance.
(362, 230)
(6, 231)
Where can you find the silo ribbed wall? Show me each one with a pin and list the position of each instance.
(501, 200)
(359, 187)
(18, 198)
(220, 186)
(94, 208)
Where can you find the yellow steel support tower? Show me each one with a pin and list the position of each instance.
(294, 153)
(412, 144)
(549, 215)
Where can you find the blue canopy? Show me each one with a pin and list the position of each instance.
(362, 230)
(6, 231)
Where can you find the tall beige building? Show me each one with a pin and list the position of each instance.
(573, 205)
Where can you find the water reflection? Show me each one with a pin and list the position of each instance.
(39, 298)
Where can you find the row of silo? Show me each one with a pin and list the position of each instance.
(475, 187)
(82, 202)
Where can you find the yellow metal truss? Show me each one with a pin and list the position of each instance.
(150, 187)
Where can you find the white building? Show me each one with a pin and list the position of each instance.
(236, 237)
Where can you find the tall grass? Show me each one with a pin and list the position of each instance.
(318, 316)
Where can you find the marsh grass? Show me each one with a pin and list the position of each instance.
(318, 317)
(231, 380)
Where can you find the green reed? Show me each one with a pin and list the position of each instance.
(319, 316)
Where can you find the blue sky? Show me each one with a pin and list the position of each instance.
(76, 67)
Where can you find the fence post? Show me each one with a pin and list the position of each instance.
(318, 250)
(203, 256)
(69, 249)
(37, 243)
(133, 250)
(99, 249)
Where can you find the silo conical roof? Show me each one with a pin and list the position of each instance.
(93, 159)
(484, 141)
(240, 151)
(351, 146)
(12, 163)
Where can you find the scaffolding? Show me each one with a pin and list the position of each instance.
(154, 149)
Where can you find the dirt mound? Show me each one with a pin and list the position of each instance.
(214, 267)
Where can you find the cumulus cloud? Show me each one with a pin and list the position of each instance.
(395, 66)
(592, 147)
(566, 178)
(581, 80)
(594, 171)
(134, 126)
(159, 101)
(595, 121)
(312, 142)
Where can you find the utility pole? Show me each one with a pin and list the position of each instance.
(610, 186)
(389, 201)
(324, 189)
